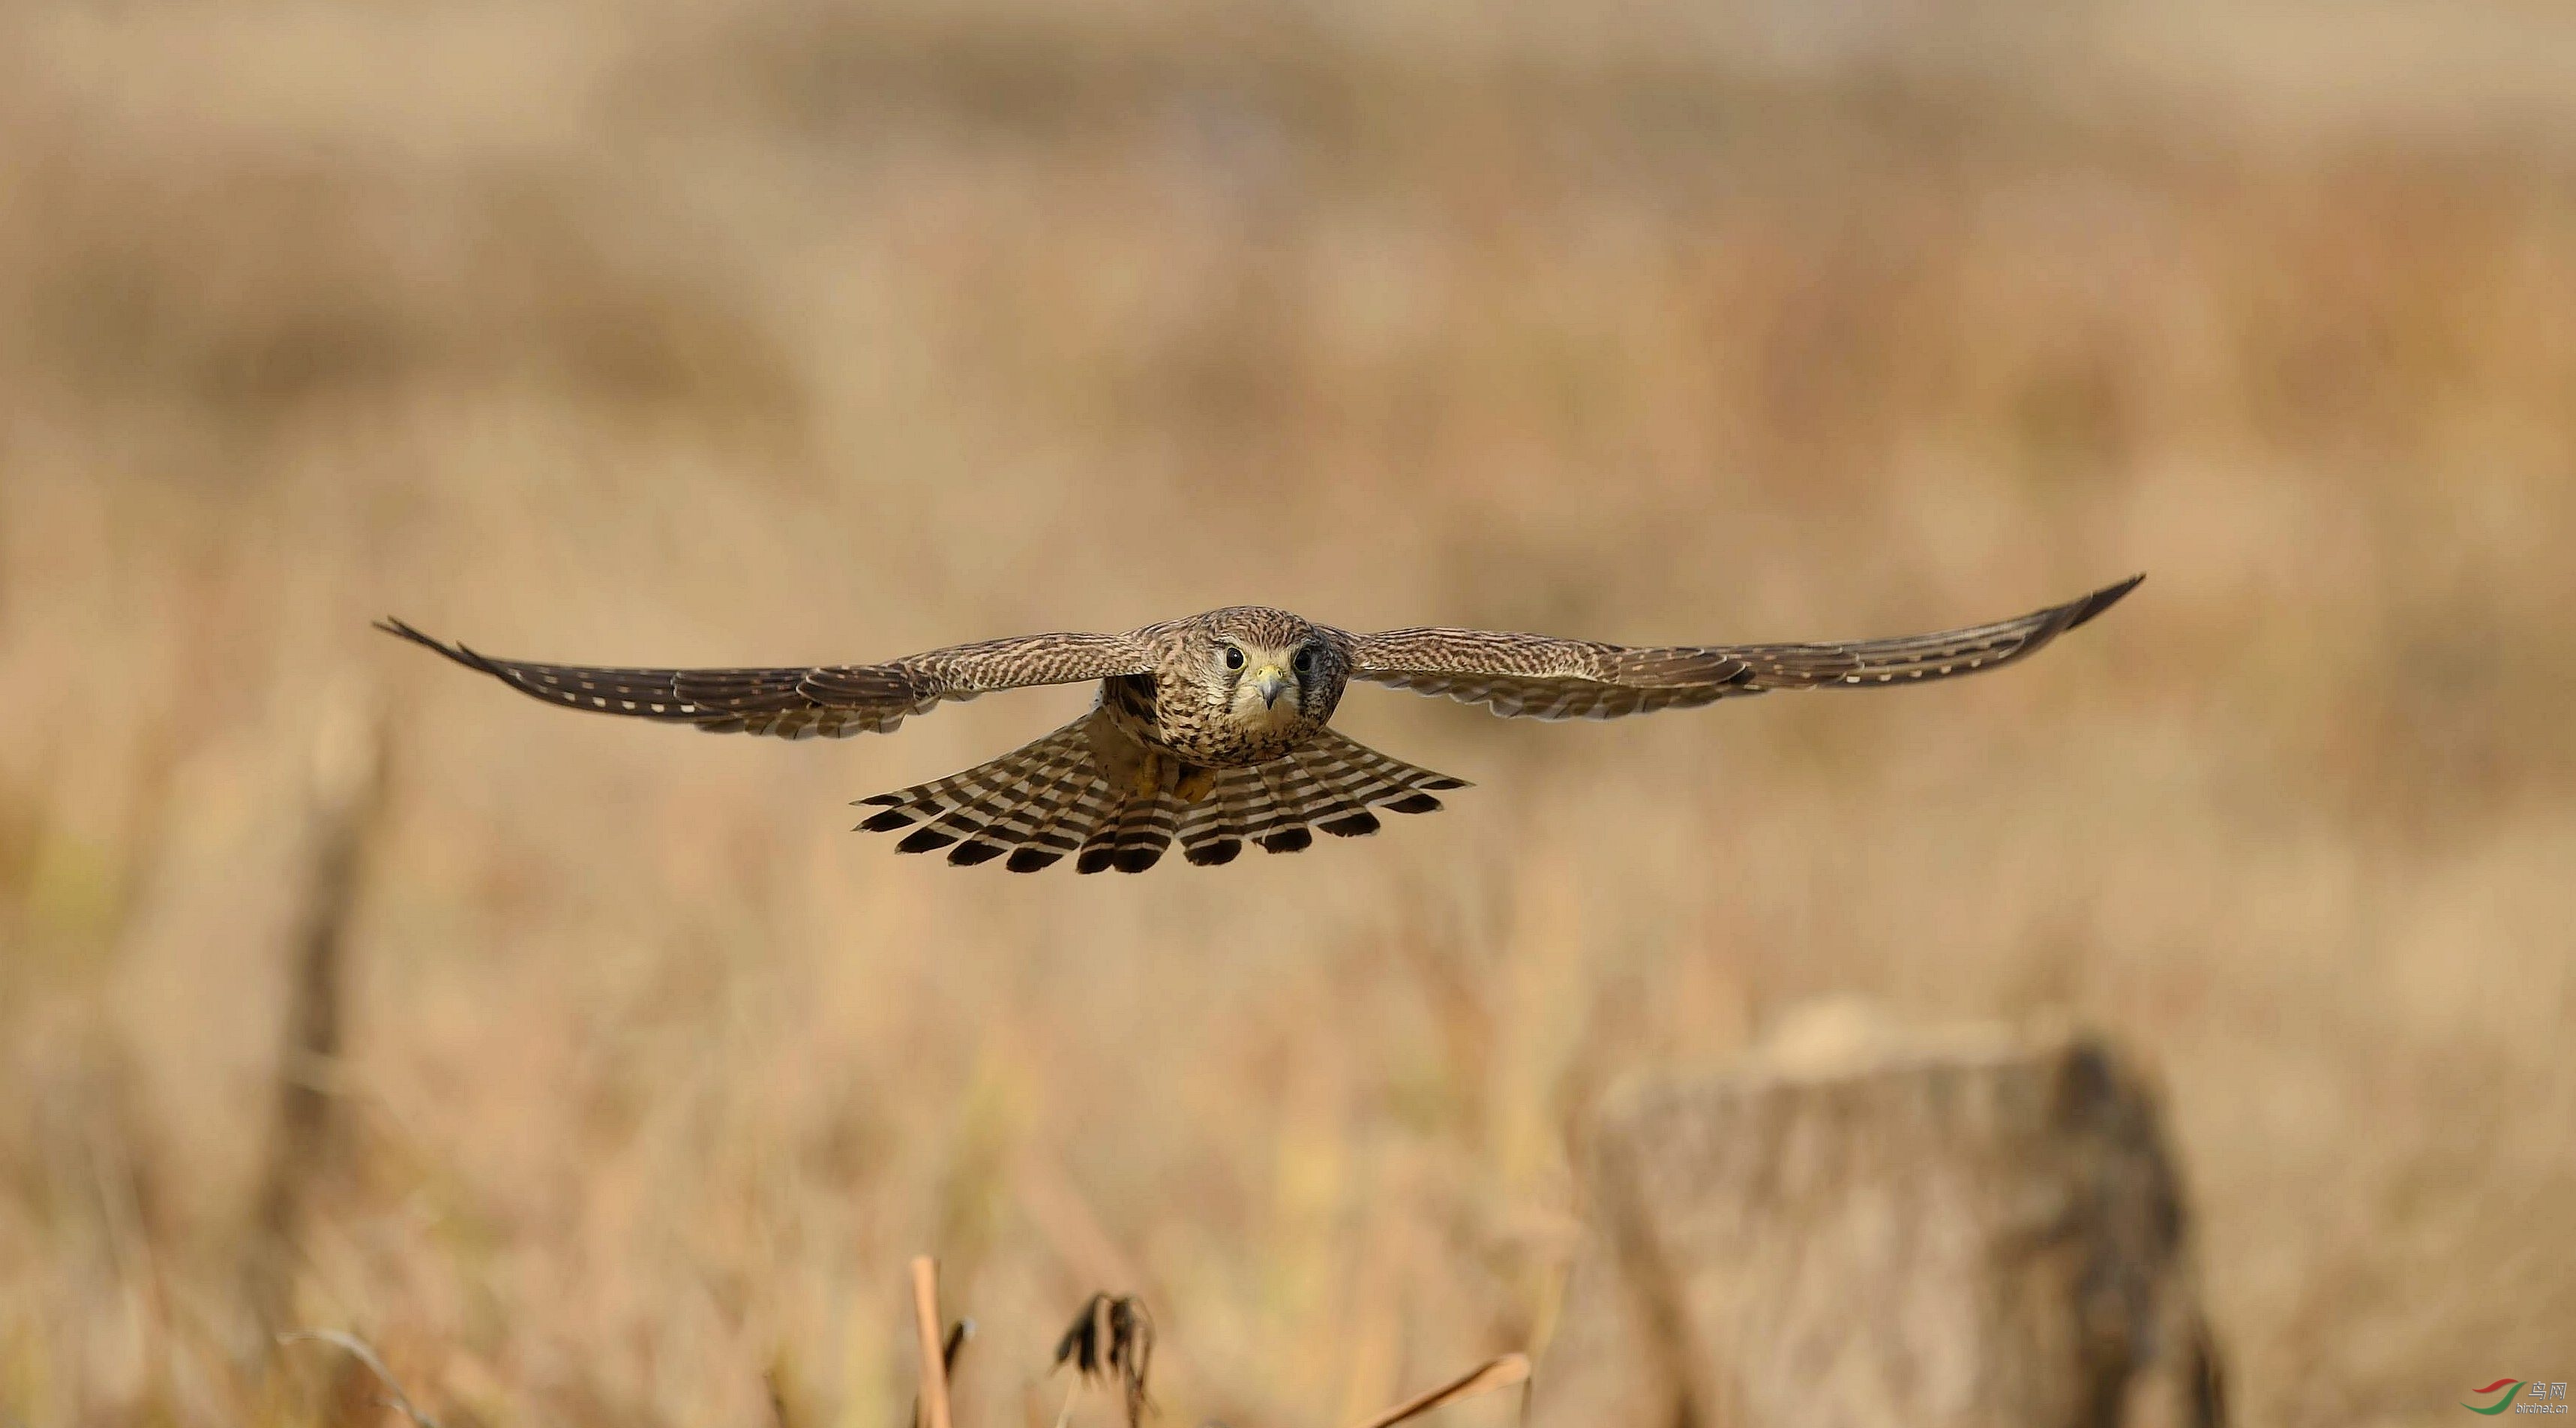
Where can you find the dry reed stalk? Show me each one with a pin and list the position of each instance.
(779, 1412)
(934, 1361)
(345, 789)
(1496, 1373)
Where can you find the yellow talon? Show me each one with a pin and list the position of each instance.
(1149, 775)
(1195, 785)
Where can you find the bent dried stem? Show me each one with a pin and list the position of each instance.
(1497, 1373)
(357, 1348)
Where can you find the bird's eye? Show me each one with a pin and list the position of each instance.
(1233, 657)
(1305, 660)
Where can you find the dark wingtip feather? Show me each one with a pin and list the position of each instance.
(1032, 860)
(1352, 825)
(973, 851)
(888, 821)
(1413, 803)
(882, 800)
(1093, 860)
(1137, 860)
(2103, 599)
(458, 653)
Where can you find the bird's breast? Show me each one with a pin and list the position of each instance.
(1220, 741)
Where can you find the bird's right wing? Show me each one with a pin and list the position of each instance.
(834, 701)
(1541, 677)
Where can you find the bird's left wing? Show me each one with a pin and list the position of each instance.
(1539, 677)
(833, 701)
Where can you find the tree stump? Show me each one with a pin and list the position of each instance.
(1875, 1228)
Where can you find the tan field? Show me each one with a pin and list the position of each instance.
(767, 331)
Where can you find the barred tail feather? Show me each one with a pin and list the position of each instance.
(1050, 798)
(1329, 783)
(1009, 803)
(1211, 831)
(1132, 837)
(1013, 817)
(1061, 819)
(1276, 820)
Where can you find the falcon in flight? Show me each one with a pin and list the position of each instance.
(1214, 730)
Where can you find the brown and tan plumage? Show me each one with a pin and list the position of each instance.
(1211, 731)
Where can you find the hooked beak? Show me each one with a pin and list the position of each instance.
(1271, 682)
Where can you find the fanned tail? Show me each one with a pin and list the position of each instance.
(1044, 800)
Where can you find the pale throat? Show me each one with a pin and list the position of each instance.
(1252, 714)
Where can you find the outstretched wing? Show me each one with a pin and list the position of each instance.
(834, 701)
(1538, 677)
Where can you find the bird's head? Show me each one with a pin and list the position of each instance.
(1265, 669)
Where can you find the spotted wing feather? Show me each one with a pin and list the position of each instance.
(1539, 677)
(833, 701)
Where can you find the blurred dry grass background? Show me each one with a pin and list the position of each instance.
(770, 330)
